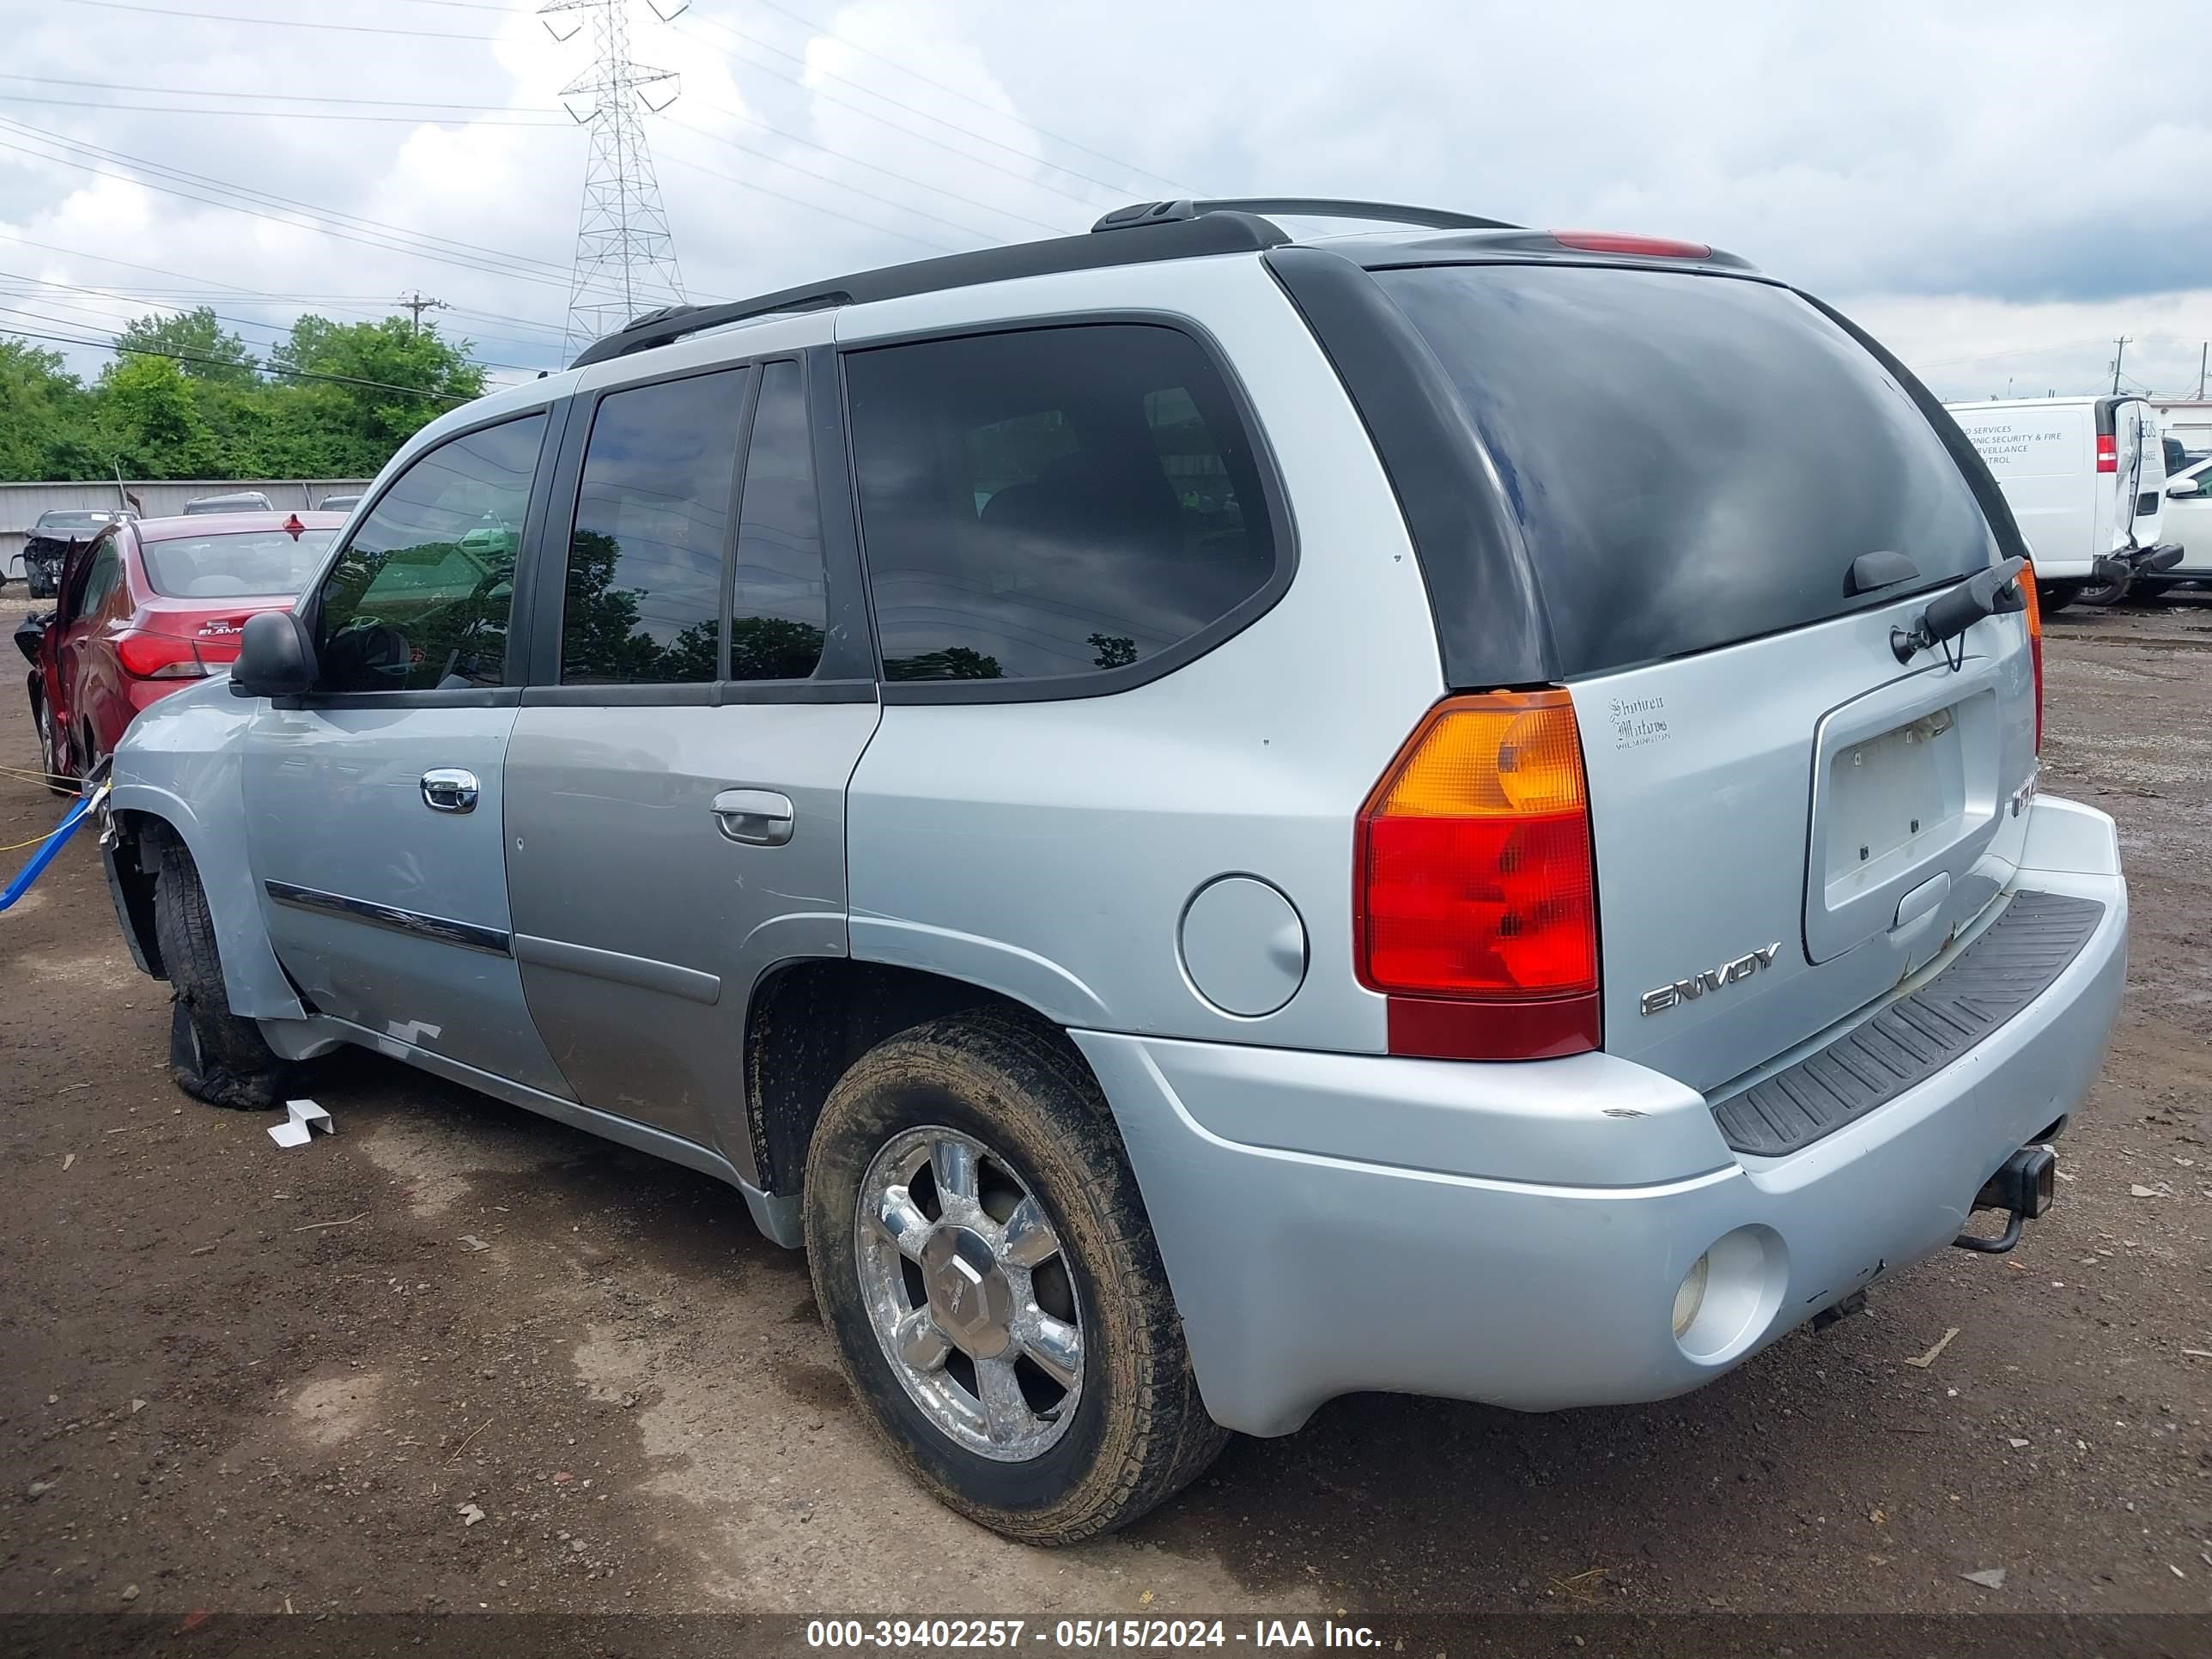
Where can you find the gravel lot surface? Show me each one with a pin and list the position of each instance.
(242, 1380)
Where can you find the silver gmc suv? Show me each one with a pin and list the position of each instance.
(1208, 819)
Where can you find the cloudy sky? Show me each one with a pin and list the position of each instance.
(1995, 190)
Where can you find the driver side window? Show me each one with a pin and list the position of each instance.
(420, 600)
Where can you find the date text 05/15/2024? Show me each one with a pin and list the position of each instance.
(894, 1635)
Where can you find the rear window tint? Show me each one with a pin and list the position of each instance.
(1053, 501)
(1693, 460)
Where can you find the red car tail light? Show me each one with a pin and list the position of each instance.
(1474, 904)
(2108, 452)
(148, 656)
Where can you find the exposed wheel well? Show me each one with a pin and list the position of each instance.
(809, 1021)
(139, 837)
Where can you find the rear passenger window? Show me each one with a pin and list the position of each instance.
(644, 599)
(779, 601)
(1051, 501)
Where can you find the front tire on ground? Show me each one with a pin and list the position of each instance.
(52, 761)
(983, 1258)
(214, 1055)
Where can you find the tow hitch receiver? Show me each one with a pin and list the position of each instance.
(2024, 1185)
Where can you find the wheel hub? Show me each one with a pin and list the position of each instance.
(969, 1296)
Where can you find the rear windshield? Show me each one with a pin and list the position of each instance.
(246, 561)
(1694, 460)
(50, 521)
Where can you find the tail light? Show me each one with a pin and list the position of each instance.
(1474, 900)
(1649, 248)
(2108, 452)
(2034, 645)
(159, 657)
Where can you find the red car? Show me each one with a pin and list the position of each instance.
(147, 608)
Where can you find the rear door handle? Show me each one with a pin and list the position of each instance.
(450, 789)
(757, 817)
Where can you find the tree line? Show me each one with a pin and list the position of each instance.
(184, 399)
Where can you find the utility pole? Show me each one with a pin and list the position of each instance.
(416, 306)
(2119, 348)
(2202, 350)
(625, 254)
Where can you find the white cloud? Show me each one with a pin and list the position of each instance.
(1994, 190)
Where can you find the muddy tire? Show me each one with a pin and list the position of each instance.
(1009, 1328)
(214, 1055)
(2055, 596)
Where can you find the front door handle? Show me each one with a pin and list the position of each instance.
(759, 817)
(450, 789)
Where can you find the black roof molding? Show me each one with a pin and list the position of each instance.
(1307, 207)
(1191, 238)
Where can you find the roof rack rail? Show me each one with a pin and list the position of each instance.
(1311, 207)
(1218, 230)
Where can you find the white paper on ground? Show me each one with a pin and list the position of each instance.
(300, 1119)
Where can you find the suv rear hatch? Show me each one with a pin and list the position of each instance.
(1787, 821)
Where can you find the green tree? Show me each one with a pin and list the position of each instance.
(44, 416)
(146, 416)
(381, 371)
(204, 351)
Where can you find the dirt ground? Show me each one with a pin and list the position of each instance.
(243, 1380)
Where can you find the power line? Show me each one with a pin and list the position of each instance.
(921, 213)
(266, 97)
(800, 201)
(200, 357)
(336, 301)
(968, 97)
(954, 126)
(479, 121)
(268, 198)
(791, 137)
(486, 260)
(280, 331)
(968, 156)
(276, 22)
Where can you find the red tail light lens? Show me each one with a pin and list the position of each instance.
(2108, 452)
(159, 657)
(1475, 903)
(2034, 645)
(1649, 248)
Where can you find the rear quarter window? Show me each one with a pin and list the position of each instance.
(1050, 504)
(1693, 460)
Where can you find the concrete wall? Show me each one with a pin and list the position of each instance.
(21, 503)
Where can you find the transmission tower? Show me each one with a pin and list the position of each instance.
(625, 255)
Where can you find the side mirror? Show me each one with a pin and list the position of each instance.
(2182, 488)
(275, 658)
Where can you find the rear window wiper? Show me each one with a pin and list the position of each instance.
(1991, 593)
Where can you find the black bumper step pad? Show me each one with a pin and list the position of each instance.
(1916, 1036)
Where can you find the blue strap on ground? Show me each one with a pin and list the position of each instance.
(80, 811)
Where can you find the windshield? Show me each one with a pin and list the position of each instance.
(66, 521)
(1693, 459)
(246, 561)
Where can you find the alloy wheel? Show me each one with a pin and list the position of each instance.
(968, 1292)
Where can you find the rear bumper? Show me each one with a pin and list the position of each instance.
(1517, 1234)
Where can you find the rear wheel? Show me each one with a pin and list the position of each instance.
(2103, 594)
(981, 1254)
(214, 1055)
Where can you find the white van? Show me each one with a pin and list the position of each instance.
(2189, 421)
(2086, 479)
